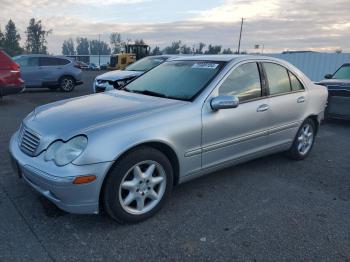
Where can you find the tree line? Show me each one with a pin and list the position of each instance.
(83, 46)
(35, 43)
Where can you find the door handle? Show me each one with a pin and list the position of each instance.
(263, 108)
(301, 99)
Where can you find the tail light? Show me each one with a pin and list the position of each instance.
(77, 65)
(14, 67)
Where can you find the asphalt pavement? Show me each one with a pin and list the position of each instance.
(270, 209)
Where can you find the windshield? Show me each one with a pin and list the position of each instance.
(342, 73)
(146, 64)
(181, 80)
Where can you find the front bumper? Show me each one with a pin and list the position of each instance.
(56, 183)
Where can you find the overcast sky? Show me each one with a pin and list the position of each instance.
(320, 25)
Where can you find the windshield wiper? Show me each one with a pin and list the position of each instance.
(148, 92)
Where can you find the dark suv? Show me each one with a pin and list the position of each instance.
(10, 76)
(338, 85)
(49, 71)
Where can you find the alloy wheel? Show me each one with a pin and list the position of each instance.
(305, 139)
(67, 84)
(142, 187)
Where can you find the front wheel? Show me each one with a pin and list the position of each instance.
(67, 84)
(138, 185)
(303, 141)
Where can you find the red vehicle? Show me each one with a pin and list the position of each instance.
(10, 76)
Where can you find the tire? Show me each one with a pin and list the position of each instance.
(304, 140)
(67, 84)
(138, 185)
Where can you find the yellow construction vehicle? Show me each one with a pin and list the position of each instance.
(120, 61)
(130, 54)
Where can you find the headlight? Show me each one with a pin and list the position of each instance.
(63, 153)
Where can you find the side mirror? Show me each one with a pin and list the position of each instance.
(328, 76)
(224, 102)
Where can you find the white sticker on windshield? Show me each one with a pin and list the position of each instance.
(205, 65)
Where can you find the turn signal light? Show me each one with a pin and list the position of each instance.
(83, 179)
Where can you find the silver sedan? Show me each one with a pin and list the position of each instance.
(124, 150)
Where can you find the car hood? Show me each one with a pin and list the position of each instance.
(67, 118)
(118, 75)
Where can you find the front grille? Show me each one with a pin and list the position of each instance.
(28, 141)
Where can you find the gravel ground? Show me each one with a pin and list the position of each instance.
(270, 209)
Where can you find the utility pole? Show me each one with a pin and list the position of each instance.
(99, 50)
(240, 36)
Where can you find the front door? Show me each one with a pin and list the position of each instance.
(231, 134)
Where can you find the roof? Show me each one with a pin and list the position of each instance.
(221, 58)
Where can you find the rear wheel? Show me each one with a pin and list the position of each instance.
(138, 185)
(67, 84)
(303, 141)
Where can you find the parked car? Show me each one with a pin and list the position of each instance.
(104, 66)
(118, 78)
(94, 67)
(124, 150)
(338, 85)
(83, 66)
(49, 71)
(10, 76)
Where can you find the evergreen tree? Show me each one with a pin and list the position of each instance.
(156, 51)
(82, 46)
(99, 47)
(68, 47)
(173, 49)
(2, 39)
(213, 49)
(11, 39)
(227, 51)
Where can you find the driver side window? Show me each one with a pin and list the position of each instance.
(243, 82)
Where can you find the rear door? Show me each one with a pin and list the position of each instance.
(30, 70)
(288, 100)
(235, 133)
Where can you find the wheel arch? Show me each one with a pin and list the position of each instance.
(66, 75)
(314, 118)
(163, 147)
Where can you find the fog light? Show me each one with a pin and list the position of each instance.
(83, 179)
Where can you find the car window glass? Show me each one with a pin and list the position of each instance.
(342, 73)
(177, 79)
(52, 61)
(146, 64)
(243, 82)
(277, 78)
(26, 61)
(61, 61)
(295, 82)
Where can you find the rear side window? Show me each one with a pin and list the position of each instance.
(27, 61)
(278, 79)
(243, 82)
(295, 82)
(53, 61)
